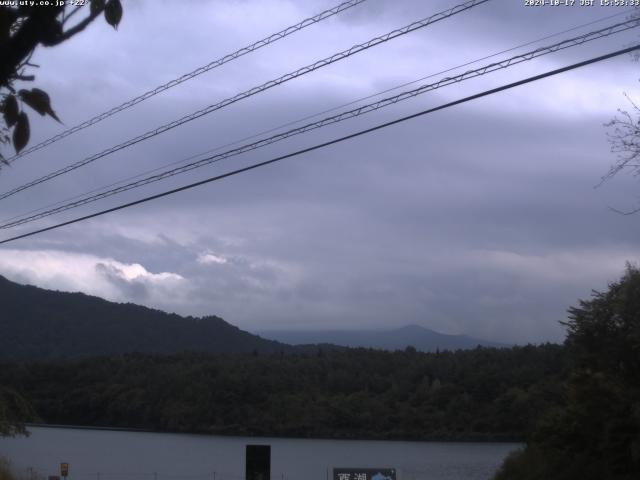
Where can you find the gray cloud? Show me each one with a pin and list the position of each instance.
(133, 289)
(480, 219)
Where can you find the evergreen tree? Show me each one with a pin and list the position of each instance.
(596, 435)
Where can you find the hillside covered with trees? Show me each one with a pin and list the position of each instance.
(476, 394)
(595, 433)
(576, 405)
(46, 325)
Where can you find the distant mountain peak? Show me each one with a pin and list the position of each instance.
(414, 328)
(391, 338)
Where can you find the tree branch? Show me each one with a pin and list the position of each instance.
(78, 27)
(73, 12)
(25, 39)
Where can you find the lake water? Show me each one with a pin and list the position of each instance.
(124, 455)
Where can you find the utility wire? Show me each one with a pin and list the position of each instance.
(330, 142)
(188, 76)
(371, 107)
(279, 127)
(255, 90)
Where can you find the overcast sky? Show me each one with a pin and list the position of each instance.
(480, 219)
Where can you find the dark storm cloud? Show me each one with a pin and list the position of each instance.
(481, 219)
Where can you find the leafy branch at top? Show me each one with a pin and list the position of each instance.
(22, 29)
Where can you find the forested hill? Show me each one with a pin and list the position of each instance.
(39, 324)
(479, 394)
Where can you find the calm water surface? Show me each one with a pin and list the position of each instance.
(121, 455)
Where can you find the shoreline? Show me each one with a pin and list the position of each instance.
(284, 437)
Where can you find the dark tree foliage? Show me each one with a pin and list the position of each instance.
(23, 28)
(14, 411)
(44, 324)
(596, 434)
(479, 394)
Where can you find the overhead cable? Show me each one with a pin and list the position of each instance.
(328, 143)
(188, 76)
(308, 117)
(253, 91)
(371, 107)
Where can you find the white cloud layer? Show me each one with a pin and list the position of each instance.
(90, 274)
(211, 259)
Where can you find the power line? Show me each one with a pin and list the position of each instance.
(371, 107)
(279, 127)
(255, 90)
(330, 142)
(188, 76)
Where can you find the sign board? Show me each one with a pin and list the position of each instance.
(258, 462)
(364, 474)
(64, 469)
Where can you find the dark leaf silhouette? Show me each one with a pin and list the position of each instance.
(7, 17)
(51, 32)
(21, 132)
(10, 110)
(113, 13)
(24, 26)
(96, 6)
(38, 100)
